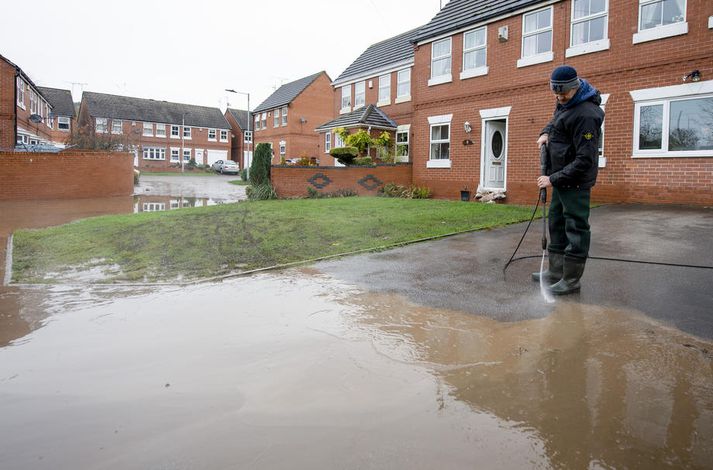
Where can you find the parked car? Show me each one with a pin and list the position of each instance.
(226, 166)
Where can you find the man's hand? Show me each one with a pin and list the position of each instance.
(544, 182)
(544, 138)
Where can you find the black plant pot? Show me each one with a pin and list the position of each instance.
(465, 196)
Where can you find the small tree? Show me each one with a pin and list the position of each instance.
(260, 167)
(361, 140)
(86, 138)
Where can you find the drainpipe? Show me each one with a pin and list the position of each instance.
(14, 128)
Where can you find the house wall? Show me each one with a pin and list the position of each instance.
(61, 136)
(291, 181)
(237, 140)
(7, 106)
(314, 106)
(622, 68)
(66, 175)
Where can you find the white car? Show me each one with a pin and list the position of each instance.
(226, 166)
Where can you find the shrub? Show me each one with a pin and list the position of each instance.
(192, 164)
(260, 192)
(361, 140)
(406, 192)
(260, 167)
(363, 161)
(244, 174)
(345, 155)
(314, 194)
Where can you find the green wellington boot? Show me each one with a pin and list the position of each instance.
(572, 272)
(554, 270)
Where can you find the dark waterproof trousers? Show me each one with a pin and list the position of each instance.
(569, 222)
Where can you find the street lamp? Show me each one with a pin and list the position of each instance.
(252, 137)
(183, 135)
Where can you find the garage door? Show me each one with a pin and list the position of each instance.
(215, 155)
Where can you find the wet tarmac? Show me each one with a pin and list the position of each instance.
(419, 358)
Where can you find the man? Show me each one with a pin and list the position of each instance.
(572, 140)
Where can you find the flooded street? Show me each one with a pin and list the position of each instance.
(385, 360)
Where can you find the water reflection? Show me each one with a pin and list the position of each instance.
(144, 203)
(603, 388)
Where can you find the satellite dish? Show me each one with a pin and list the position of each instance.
(36, 118)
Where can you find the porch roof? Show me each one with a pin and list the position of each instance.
(371, 116)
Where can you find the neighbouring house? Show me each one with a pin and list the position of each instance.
(376, 86)
(26, 119)
(241, 146)
(63, 115)
(163, 136)
(481, 96)
(286, 119)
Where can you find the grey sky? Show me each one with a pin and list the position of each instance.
(190, 51)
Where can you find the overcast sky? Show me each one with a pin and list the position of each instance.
(190, 51)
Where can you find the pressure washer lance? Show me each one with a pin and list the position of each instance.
(543, 195)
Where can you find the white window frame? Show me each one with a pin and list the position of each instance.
(664, 96)
(542, 57)
(338, 141)
(100, 125)
(257, 122)
(147, 131)
(248, 137)
(153, 206)
(359, 97)
(276, 118)
(602, 163)
(346, 104)
(117, 123)
(403, 129)
(400, 98)
(64, 120)
(175, 132)
(475, 71)
(187, 132)
(20, 86)
(153, 153)
(223, 135)
(327, 142)
(659, 32)
(710, 22)
(34, 102)
(591, 46)
(283, 148)
(263, 122)
(175, 154)
(284, 115)
(435, 121)
(384, 89)
(187, 153)
(448, 77)
(212, 135)
(161, 126)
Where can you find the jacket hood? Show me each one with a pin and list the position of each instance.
(586, 92)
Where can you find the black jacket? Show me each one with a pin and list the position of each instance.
(574, 144)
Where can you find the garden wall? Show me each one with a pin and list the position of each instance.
(293, 181)
(65, 175)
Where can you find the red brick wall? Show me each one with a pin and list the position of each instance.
(290, 181)
(7, 106)
(622, 68)
(237, 140)
(67, 175)
(399, 112)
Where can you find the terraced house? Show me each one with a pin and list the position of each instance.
(374, 94)
(164, 136)
(480, 95)
(64, 117)
(287, 118)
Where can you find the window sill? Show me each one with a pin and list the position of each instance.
(403, 99)
(345, 110)
(19, 105)
(175, 137)
(588, 48)
(212, 140)
(689, 154)
(535, 59)
(112, 133)
(661, 32)
(383, 103)
(223, 141)
(438, 164)
(440, 80)
(476, 72)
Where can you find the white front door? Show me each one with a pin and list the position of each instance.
(199, 157)
(494, 154)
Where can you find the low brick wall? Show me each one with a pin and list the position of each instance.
(293, 181)
(65, 175)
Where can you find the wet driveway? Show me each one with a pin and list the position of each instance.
(419, 358)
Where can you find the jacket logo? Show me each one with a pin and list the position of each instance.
(588, 136)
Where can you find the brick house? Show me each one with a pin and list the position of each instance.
(20, 98)
(64, 117)
(158, 132)
(241, 139)
(481, 97)
(286, 119)
(380, 76)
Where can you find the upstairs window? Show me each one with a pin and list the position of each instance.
(63, 123)
(248, 137)
(440, 61)
(536, 37)
(20, 92)
(148, 129)
(160, 130)
(212, 135)
(100, 125)
(263, 122)
(403, 86)
(257, 122)
(276, 118)
(175, 132)
(117, 126)
(223, 135)
(34, 102)
(474, 53)
(359, 94)
(661, 19)
(385, 89)
(186, 132)
(284, 115)
(589, 21)
(346, 97)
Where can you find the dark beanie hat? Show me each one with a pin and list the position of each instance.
(563, 78)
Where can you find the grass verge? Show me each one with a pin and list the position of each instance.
(201, 242)
(239, 182)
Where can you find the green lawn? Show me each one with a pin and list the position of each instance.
(201, 242)
(239, 182)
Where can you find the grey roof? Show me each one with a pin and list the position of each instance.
(61, 100)
(164, 112)
(461, 13)
(240, 116)
(287, 93)
(382, 54)
(371, 116)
